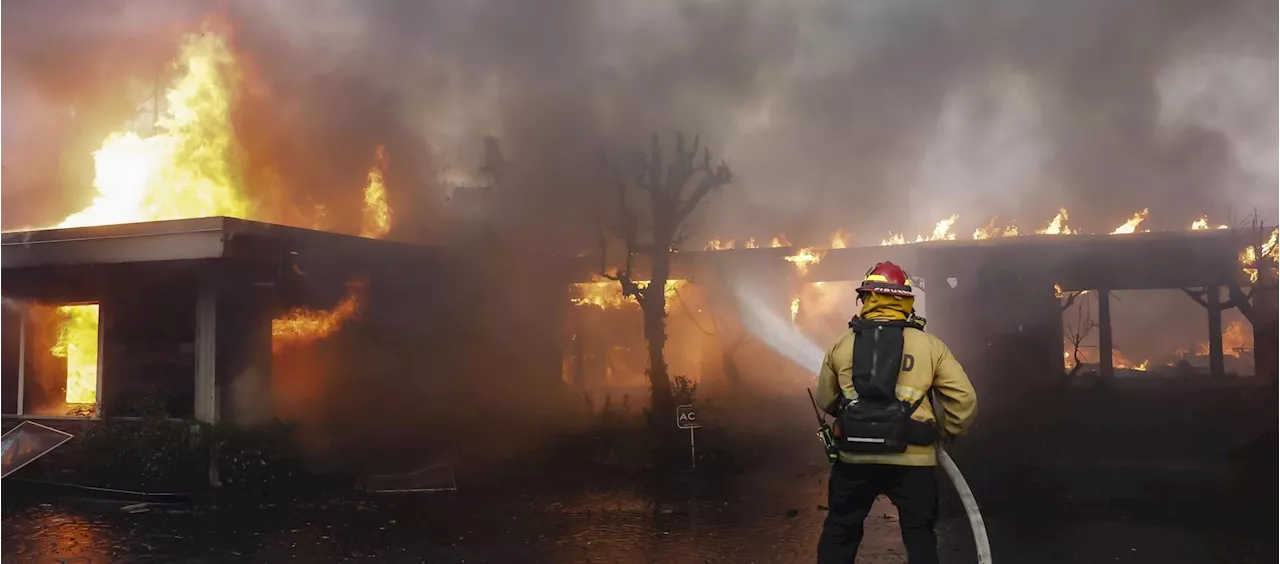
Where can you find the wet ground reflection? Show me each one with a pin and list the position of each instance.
(772, 514)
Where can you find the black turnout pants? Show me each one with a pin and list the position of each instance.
(854, 487)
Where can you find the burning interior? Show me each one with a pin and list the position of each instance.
(1010, 304)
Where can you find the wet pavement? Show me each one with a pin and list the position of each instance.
(1048, 506)
(770, 515)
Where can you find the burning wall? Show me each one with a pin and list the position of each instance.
(191, 164)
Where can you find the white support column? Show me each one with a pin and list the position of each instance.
(22, 355)
(206, 403)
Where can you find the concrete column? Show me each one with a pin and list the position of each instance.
(206, 403)
(1214, 305)
(1106, 364)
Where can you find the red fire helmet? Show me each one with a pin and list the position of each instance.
(886, 278)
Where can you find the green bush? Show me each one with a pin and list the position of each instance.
(158, 453)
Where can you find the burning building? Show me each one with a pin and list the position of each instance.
(186, 312)
(998, 300)
(181, 289)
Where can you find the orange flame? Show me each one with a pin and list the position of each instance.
(840, 239)
(1058, 225)
(805, 258)
(301, 326)
(377, 214)
(1133, 223)
(607, 294)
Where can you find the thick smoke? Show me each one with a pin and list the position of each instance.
(977, 107)
(864, 116)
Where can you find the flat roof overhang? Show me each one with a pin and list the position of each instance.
(1158, 260)
(64, 263)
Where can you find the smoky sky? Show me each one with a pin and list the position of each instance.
(868, 116)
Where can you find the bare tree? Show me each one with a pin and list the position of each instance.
(1253, 292)
(674, 189)
(1077, 333)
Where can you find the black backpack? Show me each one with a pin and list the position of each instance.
(877, 421)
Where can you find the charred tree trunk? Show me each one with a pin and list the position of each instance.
(655, 332)
(670, 204)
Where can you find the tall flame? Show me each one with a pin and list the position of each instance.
(188, 167)
(78, 343)
(1133, 223)
(941, 230)
(185, 169)
(1249, 256)
(377, 215)
(303, 325)
(1058, 225)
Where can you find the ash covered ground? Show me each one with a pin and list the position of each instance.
(1054, 488)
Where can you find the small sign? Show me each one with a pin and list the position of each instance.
(686, 418)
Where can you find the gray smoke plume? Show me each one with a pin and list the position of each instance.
(867, 116)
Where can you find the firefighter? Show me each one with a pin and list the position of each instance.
(918, 365)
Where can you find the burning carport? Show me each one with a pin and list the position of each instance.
(99, 320)
(998, 301)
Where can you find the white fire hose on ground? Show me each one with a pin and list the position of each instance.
(970, 506)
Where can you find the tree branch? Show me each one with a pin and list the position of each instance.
(1198, 297)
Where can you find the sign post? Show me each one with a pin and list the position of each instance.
(686, 418)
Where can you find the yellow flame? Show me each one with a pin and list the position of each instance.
(805, 258)
(751, 243)
(1057, 290)
(78, 343)
(840, 239)
(894, 239)
(1203, 224)
(942, 230)
(1132, 224)
(607, 294)
(1058, 225)
(795, 309)
(718, 245)
(779, 241)
(1249, 256)
(376, 222)
(184, 169)
(189, 168)
(990, 230)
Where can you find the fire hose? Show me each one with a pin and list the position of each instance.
(970, 506)
(949, 467)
